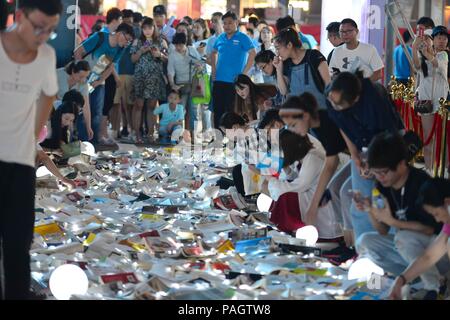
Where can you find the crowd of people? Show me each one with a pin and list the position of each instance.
(343, 166)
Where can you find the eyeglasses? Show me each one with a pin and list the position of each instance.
(346, 31)
(128, 38)
(379, 173)
(38, 31)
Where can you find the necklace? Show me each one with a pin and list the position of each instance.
(400, 210)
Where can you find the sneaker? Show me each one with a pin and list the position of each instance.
(124, 132)
(106, 141)
(340, 254)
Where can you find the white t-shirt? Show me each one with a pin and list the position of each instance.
(20, 86)
(365, 58)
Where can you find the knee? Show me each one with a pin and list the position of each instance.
(365, 242)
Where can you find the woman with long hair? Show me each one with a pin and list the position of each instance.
(252, 99)
(74, 76)
(432, 84)
(266, 39)
(303, 159)
(201, 34)
(149, 79)
(61, 125)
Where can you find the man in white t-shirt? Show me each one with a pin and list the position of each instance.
(354, 55)
(28, 87)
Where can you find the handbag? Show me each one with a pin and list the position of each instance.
(201, 88)
(425, 106)
(72, 149)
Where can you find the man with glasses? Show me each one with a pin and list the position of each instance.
(112, 48)
(28, 87)
(355, 55)
(414, 229)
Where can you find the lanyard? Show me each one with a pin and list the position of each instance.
(400, 211)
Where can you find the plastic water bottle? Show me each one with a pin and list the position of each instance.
(377, 199)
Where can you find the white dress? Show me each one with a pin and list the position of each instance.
(425, 84)
(305, 183)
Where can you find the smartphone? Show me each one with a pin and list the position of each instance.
(336, 71)
(420, 32)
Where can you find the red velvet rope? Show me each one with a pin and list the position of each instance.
(433, 130)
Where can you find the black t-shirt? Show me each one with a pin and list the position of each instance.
(329, 135)
(315, 59)
(407, 202)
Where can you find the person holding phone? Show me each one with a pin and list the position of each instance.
(302, 116)
(403, 229)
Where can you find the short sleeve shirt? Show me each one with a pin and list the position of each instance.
(168, 115)
(404, 207)
(20, 87)
(232, 55)
(63, 85)
(104, 49)
(329, 135)
(365, 58)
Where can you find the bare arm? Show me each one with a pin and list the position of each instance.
(44, 108)
(429, 258)
(79, 53)
(381, 227)
(43, 158)
(282, 81)
(413, 226)
(331, 164)
(213, 65)
(250, 60)
(324, 72)
(377, 75)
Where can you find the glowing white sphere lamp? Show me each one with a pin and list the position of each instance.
(264, 202)
(309, 234)
(362, 269)
(67, 280)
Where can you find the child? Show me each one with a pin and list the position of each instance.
(172, 116)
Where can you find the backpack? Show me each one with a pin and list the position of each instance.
(101, 38)
(315, 73)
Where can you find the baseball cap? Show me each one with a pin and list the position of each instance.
(439, 30)
(159, 10)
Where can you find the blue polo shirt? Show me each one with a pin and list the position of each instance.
(232, 55)
(370, 115)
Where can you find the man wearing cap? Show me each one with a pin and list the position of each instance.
(160, 15)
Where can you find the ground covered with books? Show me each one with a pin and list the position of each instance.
(150, 223)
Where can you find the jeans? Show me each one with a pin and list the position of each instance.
(335, 186)
(166, 134)
(17, 190)
(96, 100)
(360, 219)
(346, 203)
(394, 253)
